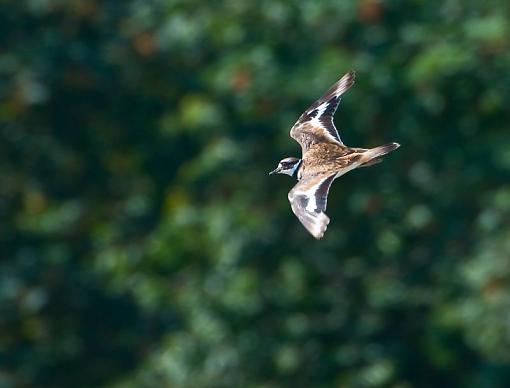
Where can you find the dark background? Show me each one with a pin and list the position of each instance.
(144, 245)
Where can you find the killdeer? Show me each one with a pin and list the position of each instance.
(324, 158)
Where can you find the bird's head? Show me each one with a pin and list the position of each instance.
(287, 166)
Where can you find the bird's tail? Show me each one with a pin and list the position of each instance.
(373, 155)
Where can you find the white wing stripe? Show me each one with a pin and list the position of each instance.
(320, 109)
(311, 206)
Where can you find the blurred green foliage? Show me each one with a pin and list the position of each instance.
(144, 245)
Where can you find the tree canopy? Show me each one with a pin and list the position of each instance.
(144, 244)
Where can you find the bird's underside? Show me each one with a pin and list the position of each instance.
(325, 158)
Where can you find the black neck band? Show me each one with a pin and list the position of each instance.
(296, 170)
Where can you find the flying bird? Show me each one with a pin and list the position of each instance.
(324, 158)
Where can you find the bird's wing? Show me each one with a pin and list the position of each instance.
(308, 199)
(316, 125)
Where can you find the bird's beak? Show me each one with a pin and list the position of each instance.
(275, 171)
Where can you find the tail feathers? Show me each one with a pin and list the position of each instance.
(372, 162)
(372, 156)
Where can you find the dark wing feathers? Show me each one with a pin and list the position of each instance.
(308, 200)
(321, 195)
(316, 123)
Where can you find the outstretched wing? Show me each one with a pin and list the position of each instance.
(316, 125)
(308, 199)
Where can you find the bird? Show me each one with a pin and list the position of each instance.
(324, 158)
